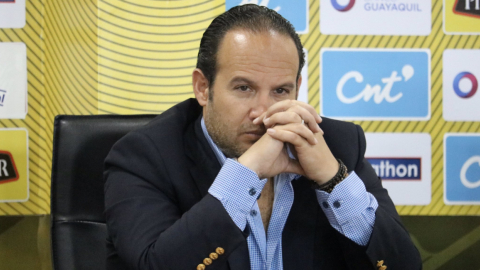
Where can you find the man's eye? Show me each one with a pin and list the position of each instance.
(281, 91)
(243, 88)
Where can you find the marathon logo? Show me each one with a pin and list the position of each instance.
(397, 168)
(8, 170)
(467, 7)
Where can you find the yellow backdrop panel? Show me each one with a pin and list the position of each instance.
(128, 57)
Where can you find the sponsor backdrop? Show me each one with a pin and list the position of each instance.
(98, 57)
(396, 67)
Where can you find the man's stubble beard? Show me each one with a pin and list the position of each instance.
(224, 135)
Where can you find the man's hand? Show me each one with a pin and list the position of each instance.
(290, 111)
(285, 125)
(268, 157)
(316, 160)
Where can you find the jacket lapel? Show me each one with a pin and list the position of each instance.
(204, 164)
(204, 168)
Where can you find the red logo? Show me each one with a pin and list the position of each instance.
(467, 7)
(8, 170)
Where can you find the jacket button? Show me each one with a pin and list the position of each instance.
(220, 251)
(213, 256)
(201, 266)
(207, 261)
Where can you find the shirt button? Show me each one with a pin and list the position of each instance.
(253, 213)
(336, 204)
(325, 204)
(252, 191)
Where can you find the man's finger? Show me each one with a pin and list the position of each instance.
(282, 118)
(259, 119)
(287, 104)
(303, 114)
(296, 134)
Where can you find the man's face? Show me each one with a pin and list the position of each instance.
(254, 71)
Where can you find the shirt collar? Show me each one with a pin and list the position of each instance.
(218, 153)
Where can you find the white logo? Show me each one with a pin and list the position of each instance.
(13, 80)
(403, 160)
(263, 3)
(463, 172)
(2, 96)
(374, 91)
(467, 4)
(456, 108)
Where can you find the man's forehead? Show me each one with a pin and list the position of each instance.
(241, 45)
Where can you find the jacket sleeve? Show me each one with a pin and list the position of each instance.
(390, 241)
(145, 222)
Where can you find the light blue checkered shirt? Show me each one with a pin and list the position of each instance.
(350, 209)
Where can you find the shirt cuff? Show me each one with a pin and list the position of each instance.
(350, 209)
(237, 188)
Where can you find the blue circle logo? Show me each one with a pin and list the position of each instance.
(456, 83)
(341, 8)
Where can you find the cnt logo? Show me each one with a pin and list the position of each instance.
(343, 8)
(8, 170)
(397, 168)
(375, 91)
(296, 12)
(263, 3)
(375, 84)
(463, 173)
(462, 168)
(465, 77)
(467, 7)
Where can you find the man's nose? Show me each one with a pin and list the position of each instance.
(260, 105)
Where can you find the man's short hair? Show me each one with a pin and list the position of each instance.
(249, 17)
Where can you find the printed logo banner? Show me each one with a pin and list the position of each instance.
(12, 13)
(294, 11)
(375, 84)
(461, 76)
(13, 80)
(461, 17)
(375, 17)
(403, 161)
(461, 168)
(14, 181)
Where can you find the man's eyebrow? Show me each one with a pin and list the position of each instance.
(286, 85)
(249, 82)
(241, 80)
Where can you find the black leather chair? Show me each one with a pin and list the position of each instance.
(80, 145)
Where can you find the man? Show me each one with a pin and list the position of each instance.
(243, 177)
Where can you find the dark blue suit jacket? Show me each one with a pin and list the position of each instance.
(160, 215)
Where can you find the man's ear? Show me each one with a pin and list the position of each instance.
(299, 82)
(200, 86)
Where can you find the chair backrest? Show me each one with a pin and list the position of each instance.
(80, 145)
